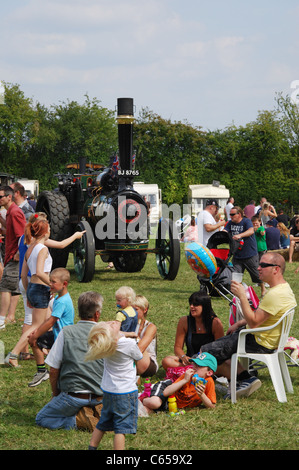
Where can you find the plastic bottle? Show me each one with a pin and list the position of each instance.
(147, 390)
(172, 406)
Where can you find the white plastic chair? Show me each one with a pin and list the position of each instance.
(275, 362)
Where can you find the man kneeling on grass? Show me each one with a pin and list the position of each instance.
(187, 393)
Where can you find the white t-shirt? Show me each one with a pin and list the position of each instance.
(119, 369)
(203, 218)
(32, 259)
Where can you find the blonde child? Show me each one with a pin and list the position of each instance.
(126, 315)
(34, 220)
(62, 315)
(120, 393)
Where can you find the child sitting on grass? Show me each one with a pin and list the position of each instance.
(126, 315)
(187, 394)
(120, 393)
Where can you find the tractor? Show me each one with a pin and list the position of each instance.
(101, 202)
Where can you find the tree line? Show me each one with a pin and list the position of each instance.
(255, 160)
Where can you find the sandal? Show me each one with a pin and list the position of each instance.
(25, 356)
(13, 357)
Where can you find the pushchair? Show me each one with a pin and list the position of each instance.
(223, 247)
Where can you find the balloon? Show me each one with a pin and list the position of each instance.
(201, 259)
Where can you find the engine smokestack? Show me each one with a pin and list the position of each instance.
(125, 119)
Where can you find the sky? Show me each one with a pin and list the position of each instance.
(211, 63)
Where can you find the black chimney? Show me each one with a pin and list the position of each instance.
(125, 118)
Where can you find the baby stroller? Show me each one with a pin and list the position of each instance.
(223, 247)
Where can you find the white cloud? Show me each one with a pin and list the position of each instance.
(204, 62)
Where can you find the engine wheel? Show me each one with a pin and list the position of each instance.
(129, 262)
(84, 253)
(55, 206)
(168, 250)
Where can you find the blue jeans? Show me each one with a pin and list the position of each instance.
(119, 413)
(60, 412)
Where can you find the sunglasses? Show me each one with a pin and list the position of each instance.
(232, 214)
(267, 265)
(4, 195)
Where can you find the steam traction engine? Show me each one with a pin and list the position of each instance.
(102, 202)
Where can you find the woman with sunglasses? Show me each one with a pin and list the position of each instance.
(201, 326)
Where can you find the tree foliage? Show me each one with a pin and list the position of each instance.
(36, 142)
(168, 154)
(255, 160)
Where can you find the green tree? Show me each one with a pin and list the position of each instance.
(87, 130)
(254, 161)
(69, 131)
(17, 121)
(168, 154)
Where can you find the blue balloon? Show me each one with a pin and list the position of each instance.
(201, 259)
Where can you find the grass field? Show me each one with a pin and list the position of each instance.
(259, 422)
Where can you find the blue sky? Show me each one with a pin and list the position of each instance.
(211, 63)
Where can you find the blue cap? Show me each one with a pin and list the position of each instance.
(205, 360)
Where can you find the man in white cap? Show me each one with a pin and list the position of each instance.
(206, 221)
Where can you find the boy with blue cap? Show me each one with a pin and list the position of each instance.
(186, 391)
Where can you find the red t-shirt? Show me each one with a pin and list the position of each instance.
(15, 225)
(187, 396)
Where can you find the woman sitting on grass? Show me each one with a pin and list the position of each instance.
(200, 327)
(146, 339)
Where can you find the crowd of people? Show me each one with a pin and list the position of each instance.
(274, 230)
(260, 227)
(94, 366)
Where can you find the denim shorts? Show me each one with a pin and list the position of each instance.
(119, 413)
(38, 295)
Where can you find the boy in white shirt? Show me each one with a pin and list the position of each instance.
(120, 399)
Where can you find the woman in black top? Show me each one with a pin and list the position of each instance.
(201, 327)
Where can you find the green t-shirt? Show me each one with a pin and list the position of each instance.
(260, 239)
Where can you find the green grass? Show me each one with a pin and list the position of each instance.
(258, 422)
